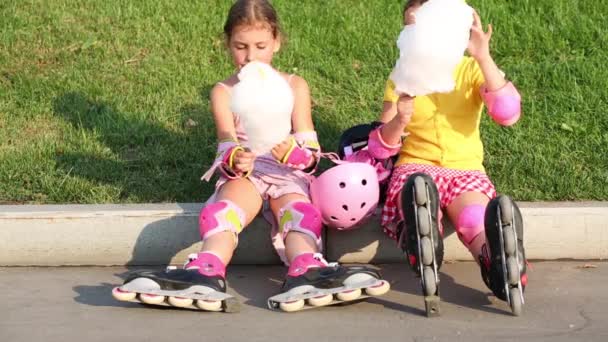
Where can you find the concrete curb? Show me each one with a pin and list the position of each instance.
(160, 234)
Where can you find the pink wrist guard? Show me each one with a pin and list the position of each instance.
(504, 104)
(378, 148)
(304, 152)
(224, 160)
(227, 164)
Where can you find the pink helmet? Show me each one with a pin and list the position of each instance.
(346, 194)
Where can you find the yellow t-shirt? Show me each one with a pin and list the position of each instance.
(444, 130)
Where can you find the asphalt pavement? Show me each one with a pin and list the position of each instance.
(565, 301)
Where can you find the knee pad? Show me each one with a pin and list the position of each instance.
(300, 217)
(470, 223)
(221, 216)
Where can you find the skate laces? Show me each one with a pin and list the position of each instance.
(319, 257)
(193, 257)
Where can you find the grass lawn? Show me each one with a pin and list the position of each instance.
(107, 101)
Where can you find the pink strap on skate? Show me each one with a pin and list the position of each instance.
(378, 148)
(504, 104)
(300, 264)
(208, 264)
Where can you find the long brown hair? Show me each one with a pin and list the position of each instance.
(252, 12)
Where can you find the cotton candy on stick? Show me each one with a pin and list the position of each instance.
(263, 100)
(430, 49)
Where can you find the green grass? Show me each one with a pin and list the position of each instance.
(96, 96)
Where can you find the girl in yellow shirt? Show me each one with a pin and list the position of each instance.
(439, 169)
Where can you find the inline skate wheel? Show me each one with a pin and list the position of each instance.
(516, 301)
(151, 299)
(121, 295)
(209, 305)
(424, 222)
(349, 295)
(512, 271)
(420, 191)
(426, 251)
(509, 240)
(506, 210)
(180, 302)
(378, 290)
(430, 284)
(292, 306)
(320, 300)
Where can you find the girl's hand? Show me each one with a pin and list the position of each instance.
(243, 161)
(279, 151)
(405, 109)
(479, 42)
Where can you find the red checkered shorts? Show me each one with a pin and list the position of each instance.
(450, 184)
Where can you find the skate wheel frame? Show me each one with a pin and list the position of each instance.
(427, 260)
(291, 302)
(191, 300)
(510, 255)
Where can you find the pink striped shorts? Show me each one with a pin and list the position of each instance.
(273, 180)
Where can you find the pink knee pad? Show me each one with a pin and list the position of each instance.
(504, 104)
(300, 264)
(300, 217)
(470, 223)
(207, 264)
(219, 217)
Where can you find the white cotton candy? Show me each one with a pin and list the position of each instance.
(430, 49)
(263, 100)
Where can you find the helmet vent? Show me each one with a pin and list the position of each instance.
(364, 182)
(342, 185)
(362, 204)
(345, 207)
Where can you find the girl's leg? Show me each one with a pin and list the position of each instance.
(479, 223)
(238, 203)
(310, 277)
(202, 282)
(303, 236)
(466, 212)
(302, 221)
